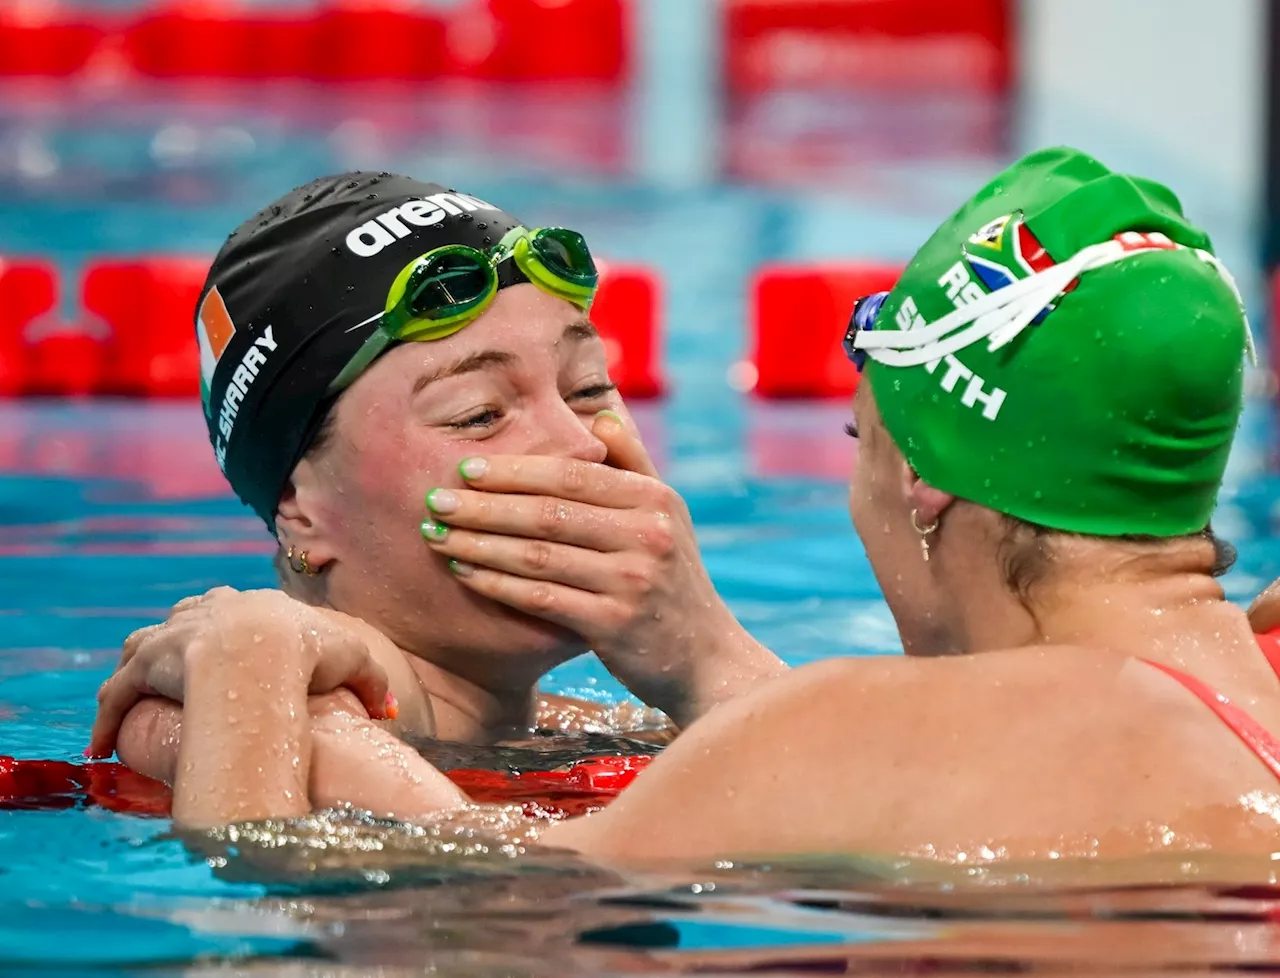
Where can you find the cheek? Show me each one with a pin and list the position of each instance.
(855, 476)
(871, 505)
(863, 481)
(393, 466)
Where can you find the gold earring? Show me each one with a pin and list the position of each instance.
(298, 564)
(924, 532)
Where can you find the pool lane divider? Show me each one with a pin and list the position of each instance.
(50, 785)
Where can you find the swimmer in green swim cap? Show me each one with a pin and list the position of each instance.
(1066, 355)
(1051, 395)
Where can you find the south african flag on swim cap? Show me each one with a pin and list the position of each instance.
(1067, 349)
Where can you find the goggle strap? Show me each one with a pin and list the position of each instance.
(1002, 315)
(372, 348)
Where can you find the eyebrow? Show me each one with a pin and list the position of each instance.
(482, 360)
(582, 329)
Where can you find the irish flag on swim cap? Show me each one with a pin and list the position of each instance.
(1066, 349)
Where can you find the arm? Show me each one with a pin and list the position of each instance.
(149, 739)
(353, 758)
(356, 761)
(244, 749)
(245, 752)
(241, 624)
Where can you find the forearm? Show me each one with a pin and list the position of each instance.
(356, 762)
(245, 747)
(741, 664)
(353, 759)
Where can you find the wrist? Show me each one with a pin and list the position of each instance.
(731, 664)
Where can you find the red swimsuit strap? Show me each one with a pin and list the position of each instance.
(1255, 736)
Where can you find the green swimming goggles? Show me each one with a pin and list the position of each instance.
(439, 293)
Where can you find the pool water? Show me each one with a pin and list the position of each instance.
(112, 511)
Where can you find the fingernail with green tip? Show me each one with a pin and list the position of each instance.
(461, 569)
(473, 468)
(441, 501)
(433, 531)
(606, 413)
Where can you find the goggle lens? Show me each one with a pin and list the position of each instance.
(446, 283)
(865, 311)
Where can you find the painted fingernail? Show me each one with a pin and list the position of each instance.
(393, 707)
(606, 413)
(434, 532)
(441, 501)
(473, 468)
(88, 752)
(461, 569)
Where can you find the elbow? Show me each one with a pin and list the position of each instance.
(149, 739)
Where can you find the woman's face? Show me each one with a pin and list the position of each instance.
(880, 503)
(527, 377)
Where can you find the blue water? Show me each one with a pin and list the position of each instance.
(110, 512)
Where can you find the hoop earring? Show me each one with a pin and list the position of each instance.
(924, 532)
(298, 564)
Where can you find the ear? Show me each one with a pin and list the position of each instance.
(299, 521)
(928, 502)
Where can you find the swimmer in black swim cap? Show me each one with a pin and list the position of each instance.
(359, 338)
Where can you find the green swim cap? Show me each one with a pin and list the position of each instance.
(1067, 350)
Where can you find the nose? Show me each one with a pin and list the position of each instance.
(564, 433)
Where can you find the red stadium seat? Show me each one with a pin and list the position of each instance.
(28, 290)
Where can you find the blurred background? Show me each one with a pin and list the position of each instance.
(742, 131)
(701, 145)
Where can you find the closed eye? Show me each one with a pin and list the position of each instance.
(592, 392)
(482, 419)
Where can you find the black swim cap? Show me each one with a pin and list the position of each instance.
(292, 296)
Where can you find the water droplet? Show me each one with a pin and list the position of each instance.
(481, 226)
(372, 197)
